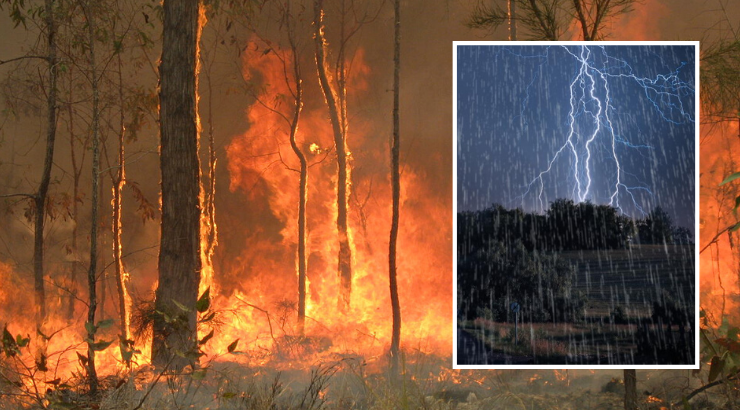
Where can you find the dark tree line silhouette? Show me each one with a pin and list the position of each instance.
(567, 226)
(507, 255)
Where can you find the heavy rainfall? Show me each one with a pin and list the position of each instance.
(576, 204)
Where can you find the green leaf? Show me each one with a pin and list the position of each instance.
(167, 318)
(204, 302)
(715, 370)
(101, 345)
(83, 359)
(735, 228)
(10, 346)
(732, 333)
(228, 395)
(193, 354)
(91, 328)
(206, 338)
(104, 324)
(708, 343)
(730, 363)
(232, 346)
(199, 374)
(208, 317)
(41, 363)
(22, 341)
(126, 353)
(730, 178)
(181, 306)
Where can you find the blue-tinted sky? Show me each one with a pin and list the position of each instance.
(514, 106)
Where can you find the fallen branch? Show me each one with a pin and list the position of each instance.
(154, 383)
(269, 322)
(707, 386)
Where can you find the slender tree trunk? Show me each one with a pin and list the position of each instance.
(179, 255)
(208, 222)
(76, 172)
(630, 389)
(41, 194)
(578, 6)
(303, 180)
(92, 377)
(122, 278)
(345, 251)
(512, 20)
(396, 193)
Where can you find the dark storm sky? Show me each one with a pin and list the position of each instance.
(513, 105)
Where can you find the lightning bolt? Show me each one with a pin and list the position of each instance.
(590, 116)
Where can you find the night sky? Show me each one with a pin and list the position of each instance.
(514, 109)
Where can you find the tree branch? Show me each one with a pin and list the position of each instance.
(30, 196)
(716, 237)
(23, 58)
(703, 388)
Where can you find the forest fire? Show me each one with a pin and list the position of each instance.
(254, 293)
(261, 164)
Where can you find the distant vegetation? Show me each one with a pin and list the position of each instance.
(566, 226)
(508, 255)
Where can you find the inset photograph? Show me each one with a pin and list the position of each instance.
(576, 204)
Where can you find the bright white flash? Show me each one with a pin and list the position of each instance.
(591, 98)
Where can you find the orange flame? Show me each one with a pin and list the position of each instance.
(261, 165)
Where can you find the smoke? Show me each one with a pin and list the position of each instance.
(642, 23)
(719, 261)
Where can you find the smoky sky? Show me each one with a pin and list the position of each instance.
(516, 106)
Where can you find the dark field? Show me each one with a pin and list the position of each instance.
(633, 279)
(623, 323)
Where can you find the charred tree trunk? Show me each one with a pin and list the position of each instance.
(41, 194)
(630, 389)
(179, 254)
(330, 95)
(396, 193)
(303, 179)
(92, 377)
(76, 173)
(122, 279)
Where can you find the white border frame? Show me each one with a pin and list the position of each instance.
(697, 300)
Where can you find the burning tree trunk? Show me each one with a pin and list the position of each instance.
(40, 197)
(122, 278)
(92, 377)
(179, 255)
(630, 389)
(345, 251)
(512, 20)
(303, 179)
(209, 229)
(396, 188)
